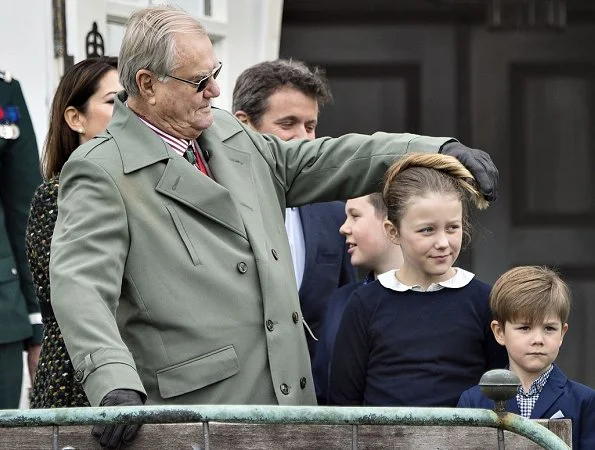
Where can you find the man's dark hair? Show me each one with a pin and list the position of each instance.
(256, 84)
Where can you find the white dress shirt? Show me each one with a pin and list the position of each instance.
(297, 244)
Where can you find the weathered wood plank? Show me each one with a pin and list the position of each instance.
(293, 437)
(561, 428)
(463, 438)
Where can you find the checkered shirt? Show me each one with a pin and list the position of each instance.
(526, 400)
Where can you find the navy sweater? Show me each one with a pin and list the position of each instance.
(413, 348)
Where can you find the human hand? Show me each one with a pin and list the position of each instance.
(113, 436)
(33, 352)
(479, 164)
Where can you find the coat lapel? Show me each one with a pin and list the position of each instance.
(552, 390)
(232, 171)
(311, 237)
(180, 181)
(512, 406)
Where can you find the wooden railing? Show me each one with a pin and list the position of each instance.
(277, 427)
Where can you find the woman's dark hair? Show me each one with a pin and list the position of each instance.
(77, 85)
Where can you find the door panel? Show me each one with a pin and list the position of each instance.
(526, 97)
(533, 110)
(385, 77)
(391, 101)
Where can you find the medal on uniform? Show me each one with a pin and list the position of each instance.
(9, 116)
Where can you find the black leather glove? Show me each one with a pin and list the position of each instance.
(112, 436)
(479, 164)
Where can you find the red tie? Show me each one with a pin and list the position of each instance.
(192, 157)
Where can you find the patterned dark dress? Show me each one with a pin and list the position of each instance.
(54, 385)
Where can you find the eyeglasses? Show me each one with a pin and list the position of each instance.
(201, 84)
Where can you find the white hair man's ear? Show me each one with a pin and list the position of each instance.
(145, 80)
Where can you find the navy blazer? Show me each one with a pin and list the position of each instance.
(327, 266)
(574, 400)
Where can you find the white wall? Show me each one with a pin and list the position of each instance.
(258, 21)
(27, 52)
(244, 32)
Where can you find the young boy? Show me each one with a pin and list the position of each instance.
(369, 248)
(530, 306)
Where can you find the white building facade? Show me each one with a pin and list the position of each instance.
(243, 32)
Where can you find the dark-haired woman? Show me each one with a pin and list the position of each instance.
(81, 109)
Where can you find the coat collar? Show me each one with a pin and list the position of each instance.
(218, 199)
(311, 225)
(127, 130)
(553, 389)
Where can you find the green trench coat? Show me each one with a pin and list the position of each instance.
(172, 284)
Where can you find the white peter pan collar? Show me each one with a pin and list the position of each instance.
(461, 278)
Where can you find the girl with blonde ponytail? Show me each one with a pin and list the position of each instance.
(420, 335)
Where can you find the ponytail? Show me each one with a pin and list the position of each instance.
(446, 164)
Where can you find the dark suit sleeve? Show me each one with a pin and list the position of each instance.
(464, 400)
(334, 308)
(587, 421)
(20, 176)
(349, 361)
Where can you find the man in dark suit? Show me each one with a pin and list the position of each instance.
(19, 176)
(283, 97)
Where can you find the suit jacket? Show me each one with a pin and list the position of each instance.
(574, 400)
(333, 312)
(327, 266)
(168, 282)
(19, 177)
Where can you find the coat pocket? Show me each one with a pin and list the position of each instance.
(198, 372)
(183, 234)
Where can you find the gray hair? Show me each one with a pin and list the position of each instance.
(149, 42)
(256, 84)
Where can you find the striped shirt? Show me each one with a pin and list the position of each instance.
(180, 146)
(527, 400)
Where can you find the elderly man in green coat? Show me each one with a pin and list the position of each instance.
(21, 327)
(171, 274)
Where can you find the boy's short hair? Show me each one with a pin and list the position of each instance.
(377, 201)
(529, 294)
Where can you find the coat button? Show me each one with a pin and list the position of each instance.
(242, 267)
(13, 271)
(284, 389)
(270, 325)
(78, 375)
(303, 382)
(296, 317)
(275, 255)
